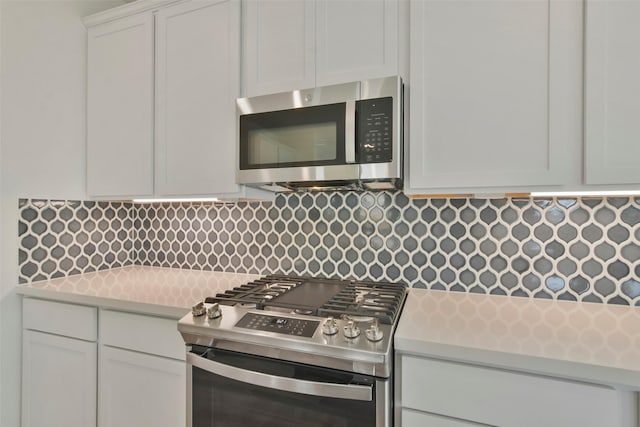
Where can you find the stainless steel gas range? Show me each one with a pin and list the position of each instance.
(291, 351)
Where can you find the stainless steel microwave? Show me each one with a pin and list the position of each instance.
(341, 137)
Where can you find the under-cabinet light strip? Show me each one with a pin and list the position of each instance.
(177, 200)
(610, 193)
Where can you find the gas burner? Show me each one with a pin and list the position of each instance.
(363, 301)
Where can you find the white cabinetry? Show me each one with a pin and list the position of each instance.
(198, 81)
(447, 394)
(58, 364)
(142, 373)
(491, 93)
(612, 92)
(127, 370)
(120, 107)
(161, 111)
(289, 45)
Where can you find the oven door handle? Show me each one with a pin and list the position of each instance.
(313, 388)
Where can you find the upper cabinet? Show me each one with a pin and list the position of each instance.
(612, 92)
(296, 44)
(490, 92)
(162, 85)
(120, 107)
(197, 83)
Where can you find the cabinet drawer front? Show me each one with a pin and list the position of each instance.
(505, 398)
(70, 320)
(421, 419)
(148, 334)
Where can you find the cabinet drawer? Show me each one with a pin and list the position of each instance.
(506, 398)
(421, 419)
(148, 334)
(70, 320)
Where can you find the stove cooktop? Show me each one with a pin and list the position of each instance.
(319, 297)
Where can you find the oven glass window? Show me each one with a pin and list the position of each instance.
(310, 136)
(224, 402)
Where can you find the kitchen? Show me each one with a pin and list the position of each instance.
(43, 157)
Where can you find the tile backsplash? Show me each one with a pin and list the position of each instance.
(583, 249)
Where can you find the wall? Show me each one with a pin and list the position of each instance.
(574, 249)
(42, 137)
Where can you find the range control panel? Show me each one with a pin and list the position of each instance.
(375, 131)
(280, 325)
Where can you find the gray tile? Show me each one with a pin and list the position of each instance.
(631, 288)
(618, 269)
(567, 232)
(567, 267)
(531, 282)
(531, 248)
(520, 264)
(488, 215)
(543, 232)
(592, 233)
(631, 216)
(631, 252)
(554, 283)
(554, 215)
(618, 234)
(488, 279)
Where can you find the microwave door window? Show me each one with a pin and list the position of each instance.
(311, 136)
(293, 145)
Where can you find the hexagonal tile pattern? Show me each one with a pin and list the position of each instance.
(582, 249)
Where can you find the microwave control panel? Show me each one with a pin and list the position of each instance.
(375, 133)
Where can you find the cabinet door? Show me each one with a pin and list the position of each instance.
(140, 390)
(356, 40)
(58, 381)
(120, 107)
(612, 92)
(198, 68)
(279, 46)
(488, 93)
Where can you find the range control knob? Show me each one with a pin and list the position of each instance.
(198, 310)
(351, 330)
(329, 327)
(374, 333)
(214, 311)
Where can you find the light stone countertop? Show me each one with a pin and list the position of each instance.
(166, 292)
(589, 342)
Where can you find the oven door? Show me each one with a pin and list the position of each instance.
(229, 389)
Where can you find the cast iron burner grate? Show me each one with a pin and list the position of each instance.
(320, 297)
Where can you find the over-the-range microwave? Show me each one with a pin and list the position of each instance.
(341, 137)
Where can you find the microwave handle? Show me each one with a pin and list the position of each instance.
(337, 391)
(350, 132)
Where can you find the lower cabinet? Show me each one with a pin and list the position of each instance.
(138, 390)
(59, 357)
(436, 393)
(58, 381)
(141, 371)
(125, 370)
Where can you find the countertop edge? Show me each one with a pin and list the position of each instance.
(103, 302)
